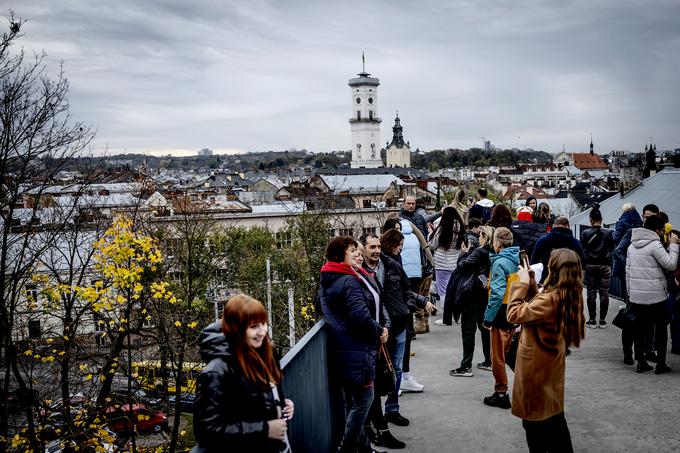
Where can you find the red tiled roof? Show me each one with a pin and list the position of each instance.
(587, 161)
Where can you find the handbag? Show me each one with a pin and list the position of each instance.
(511, 355)
(385, 375)
(624, 319)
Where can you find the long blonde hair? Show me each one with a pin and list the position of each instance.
(565, 277)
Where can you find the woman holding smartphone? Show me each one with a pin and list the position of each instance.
(552, 320)
(240, 405)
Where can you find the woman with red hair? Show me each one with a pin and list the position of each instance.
(240, 405)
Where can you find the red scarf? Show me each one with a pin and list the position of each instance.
(338, 268)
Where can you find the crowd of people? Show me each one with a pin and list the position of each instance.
(517, 278)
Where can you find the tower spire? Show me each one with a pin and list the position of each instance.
(363, 62)
(591, 143)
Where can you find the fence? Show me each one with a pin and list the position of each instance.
(319, 415)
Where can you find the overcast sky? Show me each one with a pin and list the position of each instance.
(177, 75)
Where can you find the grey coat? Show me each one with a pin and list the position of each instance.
(645, 264)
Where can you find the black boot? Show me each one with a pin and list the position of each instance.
(368, 431)
(386, 439)
(643, 366)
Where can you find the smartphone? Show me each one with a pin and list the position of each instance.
(484, 280)
(523, 258)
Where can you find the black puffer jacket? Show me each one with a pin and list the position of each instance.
(597, 244)
(230, 412)
(397, 296)
(525, 234)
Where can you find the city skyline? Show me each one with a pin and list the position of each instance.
(168, 77)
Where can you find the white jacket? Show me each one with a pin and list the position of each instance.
(645, 265)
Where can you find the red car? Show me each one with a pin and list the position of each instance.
(146, 419)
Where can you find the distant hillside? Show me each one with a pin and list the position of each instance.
(453, 158)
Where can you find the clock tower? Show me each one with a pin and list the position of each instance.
(364, 122)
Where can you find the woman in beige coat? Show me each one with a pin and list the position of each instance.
(552, 320)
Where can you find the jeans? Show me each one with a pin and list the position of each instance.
(647, 317)
(500, 343)
(597, 280)
(375, 415)
(396, 346)
(549, 435)
(358, 400)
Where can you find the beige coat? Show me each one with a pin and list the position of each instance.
(538, 391)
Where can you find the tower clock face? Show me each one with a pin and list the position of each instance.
(358, 100)
(370, 100)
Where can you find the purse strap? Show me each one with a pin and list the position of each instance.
(383, 350)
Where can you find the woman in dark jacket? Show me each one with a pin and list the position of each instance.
(400, 302)
(240, 405)
(354, 332)
(472, 316)
(597, 244)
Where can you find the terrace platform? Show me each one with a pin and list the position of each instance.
(608, 406)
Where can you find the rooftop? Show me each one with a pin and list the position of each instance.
(661, 189)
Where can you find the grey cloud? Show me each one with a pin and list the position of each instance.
(264, 74)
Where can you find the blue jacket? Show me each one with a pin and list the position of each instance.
(353, 330)
(627, 221)
(620, 254)
(502, 265)
(410, 253)
(558, 238)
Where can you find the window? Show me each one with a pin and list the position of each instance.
(366, 203)
(345, 232)
(283, 238)
(100, 340)
(358, 115)
(31, 296)
(370, 114)
(368, 230)
(34, 330)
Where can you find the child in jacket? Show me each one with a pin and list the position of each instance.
(504, 263)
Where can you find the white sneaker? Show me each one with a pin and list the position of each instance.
(440, 322)
(411, 385)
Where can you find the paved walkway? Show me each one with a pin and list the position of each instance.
(609, 407)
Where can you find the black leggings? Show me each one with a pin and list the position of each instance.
(548, 436)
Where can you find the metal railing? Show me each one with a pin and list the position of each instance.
(319, 415)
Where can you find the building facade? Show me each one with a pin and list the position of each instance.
(398, 152)
(364, 122)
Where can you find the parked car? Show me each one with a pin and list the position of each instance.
(55, 446)
(186, 402)
(76, 400)
(146, 419)
(138, 396)
(54, 424)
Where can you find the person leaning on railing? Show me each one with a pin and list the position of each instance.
(240, 405)
(353, 332)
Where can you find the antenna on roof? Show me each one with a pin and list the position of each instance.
(363, 62)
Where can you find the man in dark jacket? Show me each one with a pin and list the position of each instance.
(409, 213)
(376, 269)
(482, 209)
(560, 237)
(597, 244)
